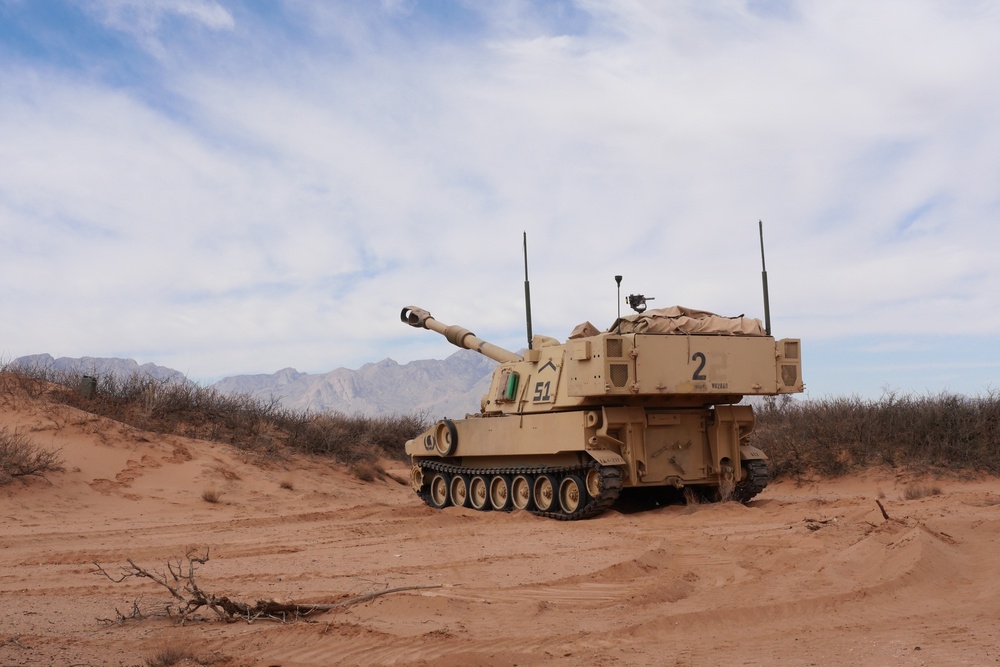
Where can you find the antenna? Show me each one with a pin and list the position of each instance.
(763, 275)
(527, 290)
(618, 279)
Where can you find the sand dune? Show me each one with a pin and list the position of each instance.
(804, 575)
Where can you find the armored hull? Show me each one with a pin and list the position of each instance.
(650, 403)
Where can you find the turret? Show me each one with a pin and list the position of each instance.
(456, 335)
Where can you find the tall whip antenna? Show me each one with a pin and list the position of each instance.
(527, 290)
(763, 275)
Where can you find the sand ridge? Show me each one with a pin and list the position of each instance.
(806, 574)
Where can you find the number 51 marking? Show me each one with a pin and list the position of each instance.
(542, 390)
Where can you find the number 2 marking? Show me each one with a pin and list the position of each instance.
(542, 392)
(698, 371)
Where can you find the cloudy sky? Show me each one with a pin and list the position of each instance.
(238, 186)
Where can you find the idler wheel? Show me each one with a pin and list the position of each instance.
(545, 493)
(594, 482)
(479, 493)
(520, 492)
(439, 490)
(416, 478)
(500, 493)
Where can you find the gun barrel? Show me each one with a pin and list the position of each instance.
(456, 335)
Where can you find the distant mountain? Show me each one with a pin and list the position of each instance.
(448, 388)
(119, 368)
(435, 388)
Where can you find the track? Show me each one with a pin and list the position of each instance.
(610, 486)
(755, 479)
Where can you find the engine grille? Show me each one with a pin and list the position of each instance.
(619, 375)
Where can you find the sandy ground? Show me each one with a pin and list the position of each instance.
(804, 575)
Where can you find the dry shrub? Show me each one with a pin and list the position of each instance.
(363, 470)
(368, 471)
(692, 496)
(836, 436)
(211, 495)
(287, 484)
(726, 490)
(20, 457)
(16, 384)
(917, 491)
(350, 438)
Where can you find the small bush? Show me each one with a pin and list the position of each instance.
(210, 495)
(20, 457)
(168, 656)
(287, 484)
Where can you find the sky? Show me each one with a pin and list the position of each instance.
(228, 187)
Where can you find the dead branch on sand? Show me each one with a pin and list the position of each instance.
(179, 579)
(402, 481)
(135, 615)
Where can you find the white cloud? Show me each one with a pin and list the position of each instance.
(145, 20)
(147, 15)
(297, 190)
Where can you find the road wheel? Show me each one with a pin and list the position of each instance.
(520, 492)
(439, 490)
(479, 493)
(571, 495)
(459, 491)
(500, 494)
(544, 493)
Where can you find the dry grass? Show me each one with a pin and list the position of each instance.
(171, 655)
(827, 437)
(265, 429)
(211, 495)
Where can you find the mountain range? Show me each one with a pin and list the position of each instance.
(434, 388)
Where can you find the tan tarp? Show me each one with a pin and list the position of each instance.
(681, 320)
(584, 330)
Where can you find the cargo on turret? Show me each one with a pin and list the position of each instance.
(650, 403)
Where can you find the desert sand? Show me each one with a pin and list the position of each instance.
(806, 574)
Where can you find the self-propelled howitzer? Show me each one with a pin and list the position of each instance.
(650, 403)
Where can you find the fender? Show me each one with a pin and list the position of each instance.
(751, 453)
